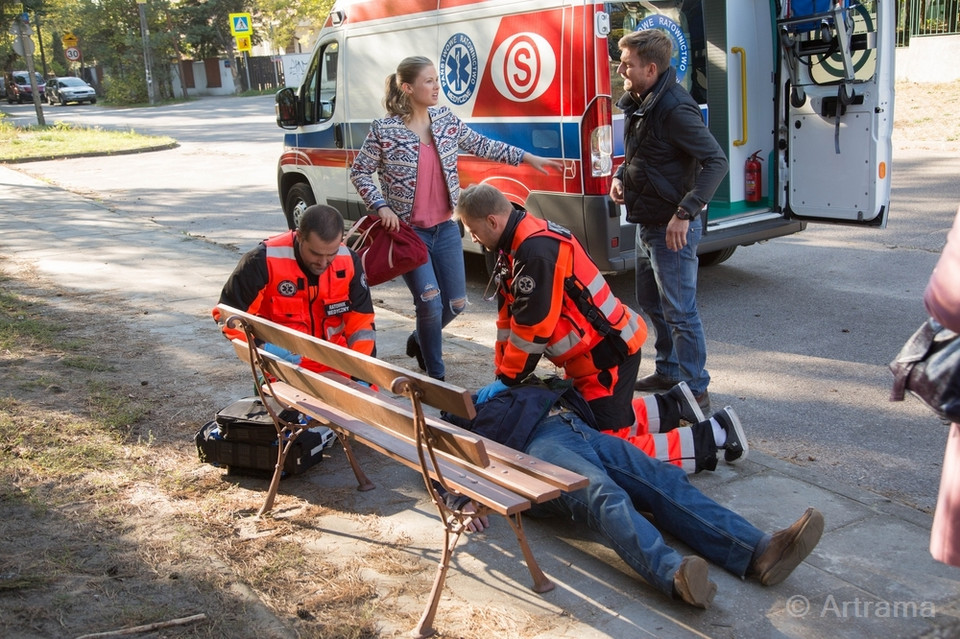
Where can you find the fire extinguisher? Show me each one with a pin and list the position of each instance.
(752, 179)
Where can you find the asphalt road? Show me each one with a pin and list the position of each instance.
(799, 329)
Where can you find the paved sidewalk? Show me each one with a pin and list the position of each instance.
(871, 575)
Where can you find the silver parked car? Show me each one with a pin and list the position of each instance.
(70, 89)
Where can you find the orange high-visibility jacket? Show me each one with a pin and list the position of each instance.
(554, 302)
(335, 306)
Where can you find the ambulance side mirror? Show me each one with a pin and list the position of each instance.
(286, 108)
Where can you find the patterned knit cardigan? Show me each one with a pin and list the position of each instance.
(392, 151)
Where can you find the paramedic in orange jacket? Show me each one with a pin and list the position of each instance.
(554, 302)
(309, 281)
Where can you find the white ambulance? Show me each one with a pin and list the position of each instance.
(805, 87)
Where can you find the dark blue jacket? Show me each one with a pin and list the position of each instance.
(671, 159)
(511, 416)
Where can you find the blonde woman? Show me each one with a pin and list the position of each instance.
(414, 153)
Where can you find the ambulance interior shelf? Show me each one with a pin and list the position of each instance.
(814, 31)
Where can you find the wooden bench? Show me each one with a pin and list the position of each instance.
(496, 478)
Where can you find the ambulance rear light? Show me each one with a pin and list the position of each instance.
(601, 151)
(597, 147)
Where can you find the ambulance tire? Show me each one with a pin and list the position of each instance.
(299, 197)
(716, 257)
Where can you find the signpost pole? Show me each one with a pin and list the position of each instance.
(145, 34)
(43, 57)
(25, 45)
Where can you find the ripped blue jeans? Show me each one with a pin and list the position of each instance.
(439, 290)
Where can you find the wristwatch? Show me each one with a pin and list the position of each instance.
(683, 215)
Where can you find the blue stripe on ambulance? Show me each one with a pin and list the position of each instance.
(549, 139)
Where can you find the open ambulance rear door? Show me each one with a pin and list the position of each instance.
(835, 110)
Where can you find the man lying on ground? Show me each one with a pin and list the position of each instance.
(551, 421)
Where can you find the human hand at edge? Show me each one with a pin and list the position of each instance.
(475, 524)
(541, 164)
(616, 191)
(388, 218)
(490, 390)
(677, 233)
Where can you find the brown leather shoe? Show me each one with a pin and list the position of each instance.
(691, 584)
(787, 548)
(703, 401)
(654, 382)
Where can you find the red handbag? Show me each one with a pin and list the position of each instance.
(385, 254)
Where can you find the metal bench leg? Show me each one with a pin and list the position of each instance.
(541, 583)
(424, 627)
(274, 483)
(277, 473)
(363, 482)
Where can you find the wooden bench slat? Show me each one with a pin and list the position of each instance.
(540, 470)
(332, 389)
(400, 449)
(564, 479)
(436, 393)
(511, 478)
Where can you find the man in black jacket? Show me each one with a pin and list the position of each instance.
(672, 166)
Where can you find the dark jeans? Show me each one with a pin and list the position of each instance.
(667, 294)
(625, 481)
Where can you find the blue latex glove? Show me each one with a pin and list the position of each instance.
(282, 353)
(490, 390)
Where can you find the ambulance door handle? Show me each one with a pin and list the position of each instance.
(338, 135)
(743, 94)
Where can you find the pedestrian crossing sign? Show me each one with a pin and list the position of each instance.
(240, 24)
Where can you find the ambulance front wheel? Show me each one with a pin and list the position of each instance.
(299, 197)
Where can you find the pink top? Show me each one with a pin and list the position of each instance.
(431, 203)
(942, 297)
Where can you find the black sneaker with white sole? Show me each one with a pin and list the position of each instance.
(736, 446)
(683, 397)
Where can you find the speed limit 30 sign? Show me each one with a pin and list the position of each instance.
(72, 53)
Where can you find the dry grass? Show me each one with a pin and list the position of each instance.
(927, 116)
(108, 521)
